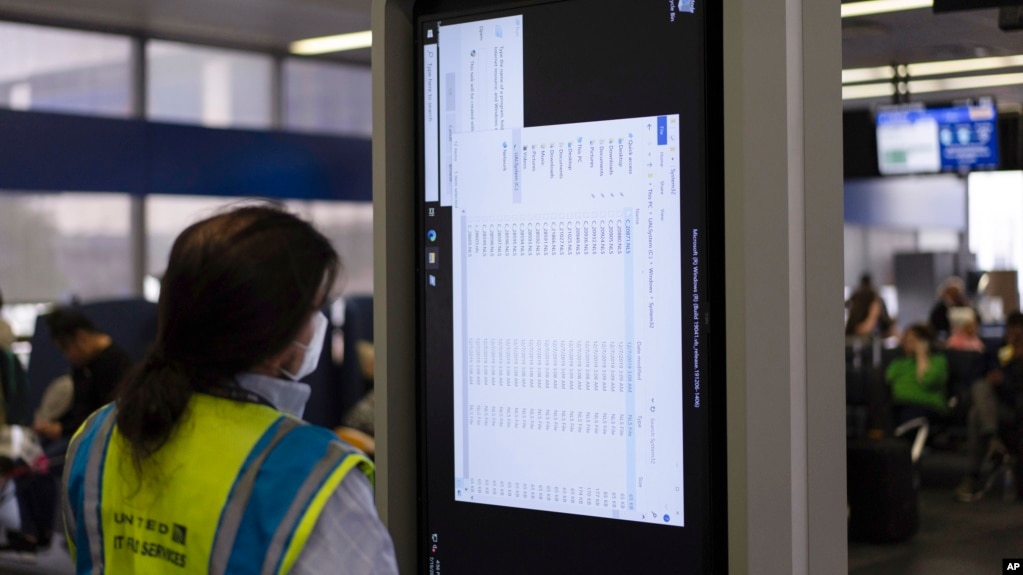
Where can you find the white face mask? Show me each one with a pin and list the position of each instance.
(312, 350)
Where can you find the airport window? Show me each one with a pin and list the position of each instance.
(58, 70)
(208, 86)
(61, 246)
(996, 220)
(348, 225)
(167, 216)
(327, 98)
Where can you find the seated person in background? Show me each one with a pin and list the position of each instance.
(6, 333)
(964, 330)
(56, 400)
(951, 294)
(13, 388)
(867, 316)
(997, 404)
(363, 415)
(97, 367)
(26, 519)
(358, 426)
(919, 378)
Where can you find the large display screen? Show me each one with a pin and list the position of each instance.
(565, 382)
(913, 139)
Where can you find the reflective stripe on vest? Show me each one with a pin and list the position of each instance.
(223, 503)
(83, 487)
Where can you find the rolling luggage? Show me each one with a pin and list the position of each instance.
(882, 491)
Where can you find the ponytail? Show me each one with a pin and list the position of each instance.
(151, 402)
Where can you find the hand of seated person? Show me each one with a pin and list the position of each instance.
(48, 429)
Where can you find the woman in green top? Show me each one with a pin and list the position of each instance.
(919, 378)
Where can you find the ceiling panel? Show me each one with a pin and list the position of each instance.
(922, 36)
(898, 37)
(261, 24)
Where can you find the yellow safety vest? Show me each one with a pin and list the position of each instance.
(236, 490)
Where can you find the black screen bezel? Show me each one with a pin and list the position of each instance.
(714, 520)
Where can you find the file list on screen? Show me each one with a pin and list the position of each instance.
(566, 290)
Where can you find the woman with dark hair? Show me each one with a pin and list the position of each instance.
(202, 464)
(867, 315)
(918, 378)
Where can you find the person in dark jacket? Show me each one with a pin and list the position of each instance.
(97, 367)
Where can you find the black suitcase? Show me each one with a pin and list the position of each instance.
(882, 492)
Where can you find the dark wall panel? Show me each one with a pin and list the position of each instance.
(193, 160)
(62, 152)
(47, 152)
(859, 144)
(954, 5)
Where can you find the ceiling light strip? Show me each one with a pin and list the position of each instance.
(963, 83)
(856, 75)
(924, 69)
(327, 44)
(854, 9)
(967, 65)
(884, 90)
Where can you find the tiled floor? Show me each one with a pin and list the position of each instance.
(53, 561)
(954, 538)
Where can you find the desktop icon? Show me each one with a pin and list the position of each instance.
(429, 33)
(431, 235)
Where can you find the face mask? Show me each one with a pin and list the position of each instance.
(312, 350)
